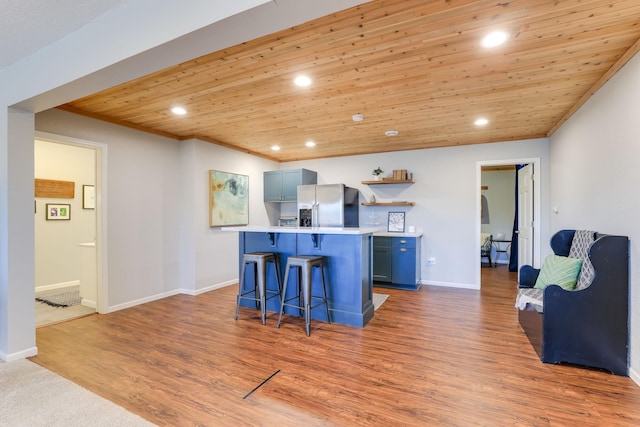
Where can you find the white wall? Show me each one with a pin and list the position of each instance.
(143, 208)
(500, 196)
(17, 311)
(595, 165)
(214, 259)
(445, 194)
(159, 238)
(57, 254)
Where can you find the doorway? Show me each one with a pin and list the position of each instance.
(496, 193)
(526, 218)
(69, 252)
(497, 213)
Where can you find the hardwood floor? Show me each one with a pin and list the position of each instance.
(435, 357)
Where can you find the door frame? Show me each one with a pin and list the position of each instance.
(102, 293)
(536, 204)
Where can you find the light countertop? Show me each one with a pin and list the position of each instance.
(303, 230)
(394, 234)
(321, 230)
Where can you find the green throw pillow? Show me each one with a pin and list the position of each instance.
(559, 270)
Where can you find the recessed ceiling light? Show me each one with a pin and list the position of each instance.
(391, 133)
(275, 148)
(310, 144)
(357, 117)
(302, 81)
(494, 39)
(179, 111)
(481, 122)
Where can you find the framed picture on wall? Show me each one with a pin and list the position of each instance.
(396, 222)
(228, 199)
(58, 212)
(88, 197)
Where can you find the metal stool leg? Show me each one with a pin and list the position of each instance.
(261, 275)
(324, 293)
(283, 296)
(306, 291)
(240, 283)
(300, 276)
(276, 269)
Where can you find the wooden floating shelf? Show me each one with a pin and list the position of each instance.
(390, 181)
(390, 204)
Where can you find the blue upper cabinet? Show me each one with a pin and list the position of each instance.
(273, 186)
(282, 185)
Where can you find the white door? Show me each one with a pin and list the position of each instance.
(525, 216)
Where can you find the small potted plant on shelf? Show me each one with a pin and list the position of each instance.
(377, 172)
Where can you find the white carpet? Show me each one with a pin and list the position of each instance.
(33, 396)
(378, 300)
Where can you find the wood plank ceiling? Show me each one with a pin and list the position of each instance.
(413, 66)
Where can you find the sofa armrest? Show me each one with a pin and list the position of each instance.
(528, 276)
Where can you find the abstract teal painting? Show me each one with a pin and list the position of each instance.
(228, 199)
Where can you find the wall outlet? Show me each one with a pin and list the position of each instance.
(431, 261)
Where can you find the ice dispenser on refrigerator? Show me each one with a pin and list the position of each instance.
(329, 205)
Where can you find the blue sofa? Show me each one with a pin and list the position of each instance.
(590, 326)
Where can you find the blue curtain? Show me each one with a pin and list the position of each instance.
(513, 260)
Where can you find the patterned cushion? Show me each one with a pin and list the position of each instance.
(531, 296)
(580, 244)
(559, 270)
(485, 242)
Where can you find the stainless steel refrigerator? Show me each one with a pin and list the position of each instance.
(330, 205)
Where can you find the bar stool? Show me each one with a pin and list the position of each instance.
(259, 261)
(304, 266)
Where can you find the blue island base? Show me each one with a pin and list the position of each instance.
(347, 271)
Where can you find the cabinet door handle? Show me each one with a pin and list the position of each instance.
(403, 250)
(403, 241)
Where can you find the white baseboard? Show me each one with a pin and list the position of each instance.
(88, 303)
(19, 355)
(633, 374)
(58, 285)
(156, 297)
(140, 301)
(450, 285)
(216, 286)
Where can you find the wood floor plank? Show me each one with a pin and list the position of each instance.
(437, 356)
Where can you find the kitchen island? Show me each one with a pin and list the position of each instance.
(348, 266)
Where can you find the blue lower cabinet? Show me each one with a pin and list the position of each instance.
(403, 266)
(347, 275)
(382, 259)
(347, 271)
(402, 256)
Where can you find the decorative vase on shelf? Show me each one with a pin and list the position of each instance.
(377, 173)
